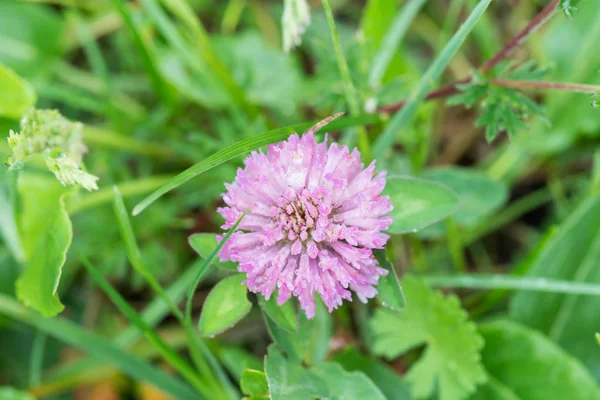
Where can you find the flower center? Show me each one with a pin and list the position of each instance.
(297, 214)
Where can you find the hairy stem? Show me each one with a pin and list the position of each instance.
(569, 87)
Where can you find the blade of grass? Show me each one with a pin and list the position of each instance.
(37, 358)
(349, 90)
(174, 359)
(152, 315)
(242, 147)
(98, 347)
(156, 79)
(197, 349)
(105, 195)
(204, 268)
(134, 254)
(392, 40)
(406, 114)
(507, 282)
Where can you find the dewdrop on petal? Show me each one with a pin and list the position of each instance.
(315, 214)
(294, 21)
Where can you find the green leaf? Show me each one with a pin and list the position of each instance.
(342, 384)
(97, 346)
(17, 94)
(388, 381)
(402, 118)
(289, 380)
(418, 203)
(283, 315)
(525, 365)
(572, 254)
(226, 304)
(254, 383)
(479, 196)
(236, 360)
(204, 244)
(598, 337)
(8, 393)
(502, 109)
(46, 234)
(389, 288)
(451, 361)
(310, 344)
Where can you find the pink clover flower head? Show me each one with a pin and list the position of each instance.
(315, 214)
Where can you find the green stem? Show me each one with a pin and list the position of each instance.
(105, 195)
(507, 282)
(37, 359)
(349, 89)
(456, 246)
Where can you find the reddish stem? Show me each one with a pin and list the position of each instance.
(450, 89)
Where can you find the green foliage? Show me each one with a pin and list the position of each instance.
(480, 197)
(502, 109)
(204, 244)
(46, 234)
(8, 393)
(523, 364)
(17, 94)
(389, 288)
(451, 363)
(418, 203)
(388, 381)
(57, 140)
(402, 118)
(290, 380)
(226, 304)
(569, 8)
(310, 343)
(283, 315)
(33, 38)
(254, 384)
(99, 347)
(572, 254)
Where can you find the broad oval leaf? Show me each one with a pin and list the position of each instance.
(479, 196)
(226, 304)
(46, 234)
(17, 94)
(526, 365)
(204, 244)
(389, 290)
(254, 383)
(418, 203)
(283, 315)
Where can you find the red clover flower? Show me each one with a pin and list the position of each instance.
(315, 214)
